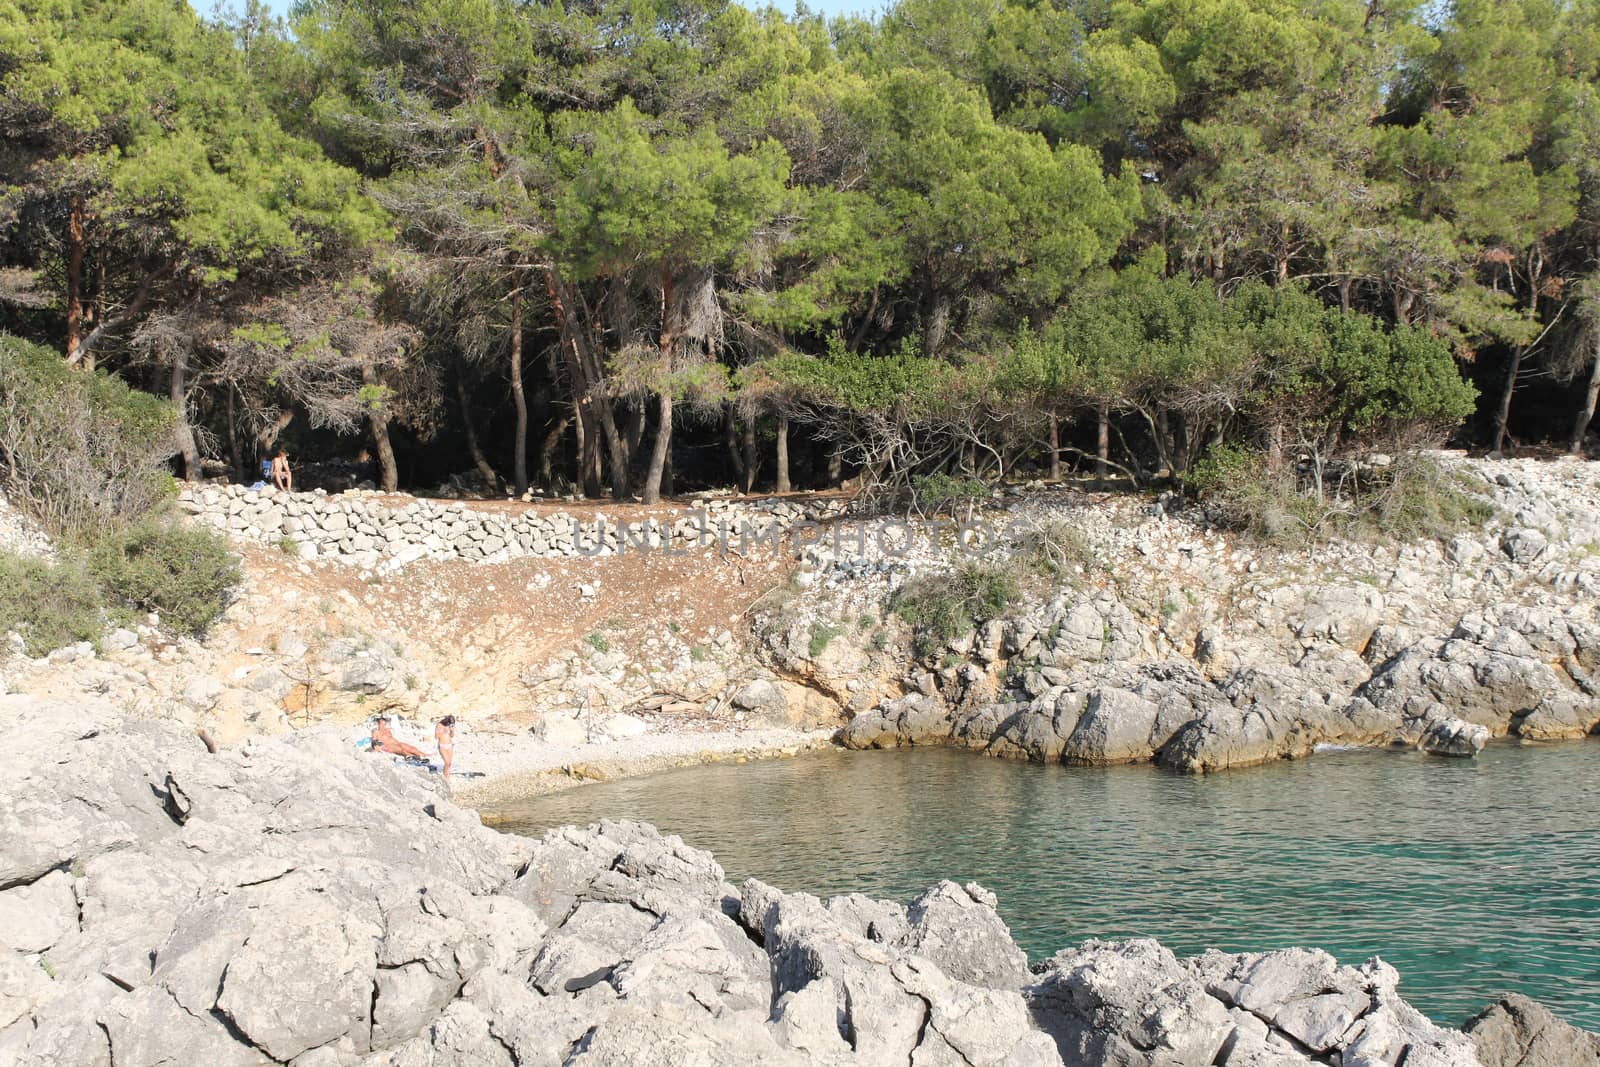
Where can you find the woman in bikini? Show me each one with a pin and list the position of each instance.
(444, 735)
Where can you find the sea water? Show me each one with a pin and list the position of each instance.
(1472, 877)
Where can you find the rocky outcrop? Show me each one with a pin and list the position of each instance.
(283, 903)
(1518, 1032)
(1205, 653)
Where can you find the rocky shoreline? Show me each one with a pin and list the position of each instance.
(1181, 645)
(1162, 639)
(288, 902)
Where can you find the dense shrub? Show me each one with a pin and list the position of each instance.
(49, 604)
(1411, 498)
(942, 607)
(78, 450)
(85, 456)
(184, 573)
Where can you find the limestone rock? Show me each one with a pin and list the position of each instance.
(1518, 1032)
(1127, 1003)
(957, 928)
(1453, 737)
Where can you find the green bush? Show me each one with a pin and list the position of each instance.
(1419, 498)
(942, 607)
(1412, 498)
(185, 573)
(1054, 549)
(79, 450)
(49, 604)
(943, 492)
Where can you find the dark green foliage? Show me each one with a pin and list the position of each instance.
(928, 242)
(822, 635)
(934, 493)
(185, 573)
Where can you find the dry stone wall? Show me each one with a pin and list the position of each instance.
(374, 532)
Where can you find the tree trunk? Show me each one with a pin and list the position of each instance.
(634, 432)
(937, 326)
(616, 447)
(835, 468)
(668, 473)
(658, 455)
(479, 460)
(591, 465)
(1590, 396)
(783, 453)
(235, 458)
(519, 452)
(752, 461)
(1502, 413)
(1102, 441)
(730, 441)
(585, 370)
(179, 394)
(269, 436)
(1402, 307)
(580, 447)
(547, 452)
(75, 283)
(378, 423)
(1055, 448)
(1180, 444)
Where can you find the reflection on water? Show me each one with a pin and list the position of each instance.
(1473, 877)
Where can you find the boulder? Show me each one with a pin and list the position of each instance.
(759, 695)
(1453, 737)
(1116, 727)
(1129, 1003)
(1523, 545)
(1518, 1032)
(561, 728)
(958, 929)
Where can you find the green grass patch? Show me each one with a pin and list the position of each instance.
(822, 635)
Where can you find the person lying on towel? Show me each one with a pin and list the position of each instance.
(385, 741)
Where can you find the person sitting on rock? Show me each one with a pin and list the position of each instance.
(280, 471)
(383, 740)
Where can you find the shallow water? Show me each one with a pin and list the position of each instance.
(1473, 877)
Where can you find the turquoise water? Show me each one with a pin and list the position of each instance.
(1473, 877)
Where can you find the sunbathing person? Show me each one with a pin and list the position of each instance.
(383, 740)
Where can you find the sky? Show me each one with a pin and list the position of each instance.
(826, 7)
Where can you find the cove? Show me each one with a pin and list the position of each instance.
(1472, 877)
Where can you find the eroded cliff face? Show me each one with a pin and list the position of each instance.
(1170, 641)
(288, 902)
